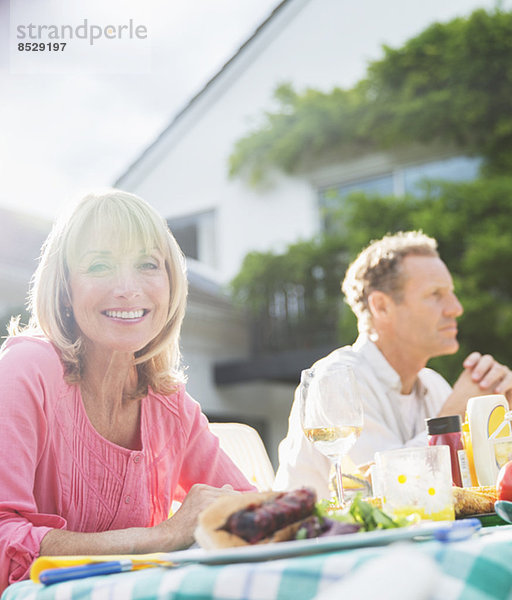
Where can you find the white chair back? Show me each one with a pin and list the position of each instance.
(245, 447)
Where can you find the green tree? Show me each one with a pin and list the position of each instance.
(451, 84)
(293, 298)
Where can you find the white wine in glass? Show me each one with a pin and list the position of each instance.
(331, 415)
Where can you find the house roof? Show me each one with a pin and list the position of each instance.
(204, 91)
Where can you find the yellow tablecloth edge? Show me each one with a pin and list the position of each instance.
(54, 562)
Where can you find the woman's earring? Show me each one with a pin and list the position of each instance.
(67, 312)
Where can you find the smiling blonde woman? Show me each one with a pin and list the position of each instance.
(94, 404)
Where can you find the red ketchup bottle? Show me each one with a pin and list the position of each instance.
(446, 431)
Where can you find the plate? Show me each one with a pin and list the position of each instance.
(348, 541)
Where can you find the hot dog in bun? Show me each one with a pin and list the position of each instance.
(258, 518)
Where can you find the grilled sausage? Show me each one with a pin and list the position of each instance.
(258, 521)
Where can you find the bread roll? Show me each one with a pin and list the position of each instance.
(472, 502)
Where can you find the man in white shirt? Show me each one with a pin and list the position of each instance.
(403, 296)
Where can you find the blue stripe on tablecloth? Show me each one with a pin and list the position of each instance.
(484, 575)
(197, 582)
(301, 578)
(484, 571)
(250, 581)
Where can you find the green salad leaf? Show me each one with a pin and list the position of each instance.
(362, 513)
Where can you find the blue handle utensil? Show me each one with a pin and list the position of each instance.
(50, 576)
(457, 530)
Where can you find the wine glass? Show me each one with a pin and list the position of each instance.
(331, 414)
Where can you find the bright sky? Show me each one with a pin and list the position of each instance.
(62, 134)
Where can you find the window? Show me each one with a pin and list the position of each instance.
(458, 168)
(186, 236)
(195, 235)
(377, 185)
(397, 182)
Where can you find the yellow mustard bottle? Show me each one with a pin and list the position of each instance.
(466, 442)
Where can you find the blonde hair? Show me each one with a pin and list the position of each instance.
(159, 362)
(379, 267)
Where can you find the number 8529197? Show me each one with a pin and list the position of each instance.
(41, 46)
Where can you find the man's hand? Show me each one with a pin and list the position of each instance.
(491, 376)
(482, 375)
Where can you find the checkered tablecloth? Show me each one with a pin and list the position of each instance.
(475, 569)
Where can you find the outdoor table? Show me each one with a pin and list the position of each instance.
(479, 568)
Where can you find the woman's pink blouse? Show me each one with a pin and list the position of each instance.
(58, 472)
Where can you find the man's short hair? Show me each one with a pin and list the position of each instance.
(378, 267)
